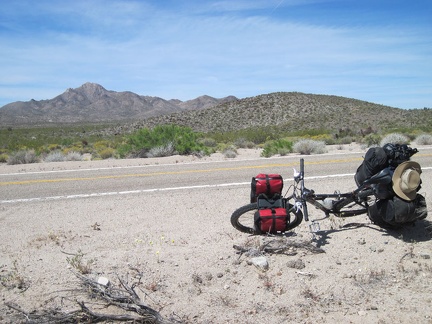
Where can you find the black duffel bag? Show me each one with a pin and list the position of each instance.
(397, 212)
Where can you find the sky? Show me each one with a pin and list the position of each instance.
(372, 50)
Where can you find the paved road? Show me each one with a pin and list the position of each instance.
(84, 183)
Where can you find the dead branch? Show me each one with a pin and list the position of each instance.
(124, 298)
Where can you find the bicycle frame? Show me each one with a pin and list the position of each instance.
(303, 196)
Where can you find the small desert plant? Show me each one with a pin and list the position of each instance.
(208, 141)
(74, 156)
(3, 158)
(77, 263)
(161, 151)
(243, 143)
(280, 146)
(55, 156)
(372, 140)
(307, 146)
(394, 138)
(424, 139)
(23, 157)
(13, 279)
(106, 153)
(229, 152)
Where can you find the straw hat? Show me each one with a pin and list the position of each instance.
(406, 179)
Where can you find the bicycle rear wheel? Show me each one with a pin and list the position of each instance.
(243, 219)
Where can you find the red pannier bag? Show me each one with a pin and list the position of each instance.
(272, 215)
(272, 220)
(267, 184)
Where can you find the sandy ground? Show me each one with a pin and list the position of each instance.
(349, 272)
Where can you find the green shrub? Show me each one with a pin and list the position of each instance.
(394, 138)
(183, 139)
(106, 153)
(280, 146)
(3, 157)
(424, 139)
(23, 157)
(372, 140)
(307, 146)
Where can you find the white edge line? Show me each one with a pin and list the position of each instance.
(115, 193)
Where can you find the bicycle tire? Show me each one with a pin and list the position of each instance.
(243, 219)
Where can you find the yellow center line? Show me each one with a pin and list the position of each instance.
(262, 166)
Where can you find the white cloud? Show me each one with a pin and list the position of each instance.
(127, 45)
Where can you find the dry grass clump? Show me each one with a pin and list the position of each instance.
(394, 138)
(57, 156)
(22, 157)
(307, 147)
(424, 139)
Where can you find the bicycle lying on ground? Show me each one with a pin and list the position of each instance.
(356, 202)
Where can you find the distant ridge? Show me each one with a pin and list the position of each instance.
(292, 111)
(92, 103)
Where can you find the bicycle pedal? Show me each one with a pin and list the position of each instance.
(314, 226)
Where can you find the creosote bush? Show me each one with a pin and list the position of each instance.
(183, 140)
(307, 147)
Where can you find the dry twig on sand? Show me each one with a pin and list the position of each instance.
(124, 298)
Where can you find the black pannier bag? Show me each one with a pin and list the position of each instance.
(374, 161)
(396, 211)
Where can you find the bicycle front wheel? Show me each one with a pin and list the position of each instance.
(243, 219)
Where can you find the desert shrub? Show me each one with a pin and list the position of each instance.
(424, 139)
(372, 140)
(74, 156)
(106, 153)
(230, 154)
(308, 146)
(280, 146)
(229, 151)
(55, 156)
(183, 139)
(101, 145)
(208, 141)
(23, 157)
(161, 151)
(394, 138)
(3, 157)
(326, 138)
(242, 142)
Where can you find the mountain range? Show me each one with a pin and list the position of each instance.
(92, 103)
(293, 111)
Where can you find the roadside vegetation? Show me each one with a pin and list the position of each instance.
(94, 142)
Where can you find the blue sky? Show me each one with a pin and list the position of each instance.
(378, 51)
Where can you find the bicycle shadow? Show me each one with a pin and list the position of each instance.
(420, 231)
